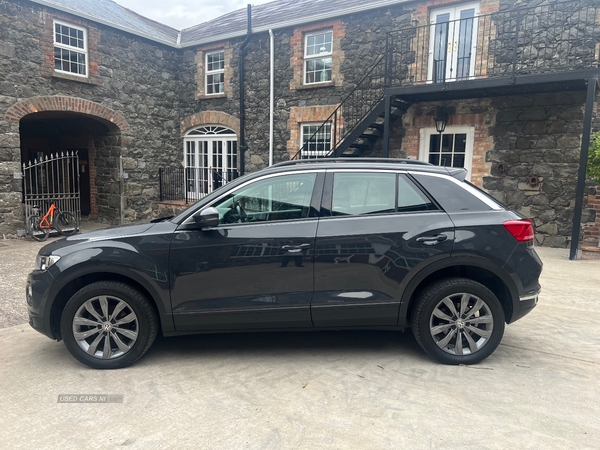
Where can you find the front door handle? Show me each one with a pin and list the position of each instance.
(295, 248)
(432, 240)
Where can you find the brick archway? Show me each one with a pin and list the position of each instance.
(211, 118)
(68, 104)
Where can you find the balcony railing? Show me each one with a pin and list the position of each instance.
(556, 37)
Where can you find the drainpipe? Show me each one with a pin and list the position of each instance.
(272, 95)
(242, 105)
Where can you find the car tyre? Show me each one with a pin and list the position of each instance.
(108, 325)
(458, 321)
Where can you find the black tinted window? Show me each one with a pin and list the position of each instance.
(450, 195)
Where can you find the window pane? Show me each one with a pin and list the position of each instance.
(215, 61)
(460, 143)
(318, 44)
(280, 198)
(363, 193)
(410, 198)
(318, 70)
(316, 139)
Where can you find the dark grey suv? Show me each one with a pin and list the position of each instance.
(321, 245)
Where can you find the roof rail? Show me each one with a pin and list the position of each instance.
(345, 160)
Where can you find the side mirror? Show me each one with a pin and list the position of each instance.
(208, 217)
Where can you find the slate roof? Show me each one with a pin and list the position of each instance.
(274, 15)
(109, 13)
(277, 14)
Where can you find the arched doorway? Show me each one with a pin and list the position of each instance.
(54, 125)
(210, 155)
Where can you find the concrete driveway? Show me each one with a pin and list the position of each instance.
(346, 390)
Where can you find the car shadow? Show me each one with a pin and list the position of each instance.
(290, 343)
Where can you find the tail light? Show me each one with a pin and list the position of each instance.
(521, 230)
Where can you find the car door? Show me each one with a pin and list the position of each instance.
(376, 226)
(255, 269)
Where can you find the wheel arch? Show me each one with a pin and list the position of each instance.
(480, 270)
(66, 291)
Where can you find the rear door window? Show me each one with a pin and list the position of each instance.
(361, 193)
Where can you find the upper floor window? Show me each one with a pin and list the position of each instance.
(316, 139)
(215, 72)
(70, 49)
(318, 48)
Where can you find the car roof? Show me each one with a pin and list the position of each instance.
(404, 165)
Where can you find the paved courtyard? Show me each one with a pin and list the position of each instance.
(354, 390)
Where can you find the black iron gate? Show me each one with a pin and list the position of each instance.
(54, 180)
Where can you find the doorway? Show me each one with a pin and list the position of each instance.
(453, 43)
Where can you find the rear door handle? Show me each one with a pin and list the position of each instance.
(432, 240)
(295, 248)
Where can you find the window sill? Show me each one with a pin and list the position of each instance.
(66, 76)
(208, 97)
(315, 85)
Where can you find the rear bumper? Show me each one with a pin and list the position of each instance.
(526, 303)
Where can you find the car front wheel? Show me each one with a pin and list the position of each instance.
(458, 321)
(108, 325)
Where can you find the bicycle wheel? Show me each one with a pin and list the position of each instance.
(34, 230)
(65, 223)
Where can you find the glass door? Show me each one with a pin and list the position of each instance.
(453, 43)
(210, 160)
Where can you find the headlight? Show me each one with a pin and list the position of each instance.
(44, 262)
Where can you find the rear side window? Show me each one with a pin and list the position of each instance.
(363, 193)
(454, 197)
(356, 193)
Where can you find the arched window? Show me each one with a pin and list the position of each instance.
(210, 159)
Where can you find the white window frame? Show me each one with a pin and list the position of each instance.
(424, 142)
(71, 48)
(314, 153)
(308, 58)
(208, 73)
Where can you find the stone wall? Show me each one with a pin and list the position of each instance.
(131, 76)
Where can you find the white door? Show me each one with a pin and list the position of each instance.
(210, 159)
(454, 150)
(453, 43)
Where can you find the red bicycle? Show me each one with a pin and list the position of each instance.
(62, 221)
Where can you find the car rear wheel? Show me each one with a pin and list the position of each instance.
(458, 321)
(108, 325)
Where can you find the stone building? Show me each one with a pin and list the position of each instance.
(513, 81)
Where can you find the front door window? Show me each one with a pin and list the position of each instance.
(453, 43)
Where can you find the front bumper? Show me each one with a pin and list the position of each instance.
(37, 294)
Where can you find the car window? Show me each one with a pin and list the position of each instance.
(452, 196)
(283, 197)
(410, 198)
(363, 193)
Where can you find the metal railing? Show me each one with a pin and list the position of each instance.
(190, 184)
(355, 107)
(550, 38)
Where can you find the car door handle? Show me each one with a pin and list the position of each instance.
(432, 240)
(295, 248)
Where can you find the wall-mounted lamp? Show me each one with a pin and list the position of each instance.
(440, 123)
